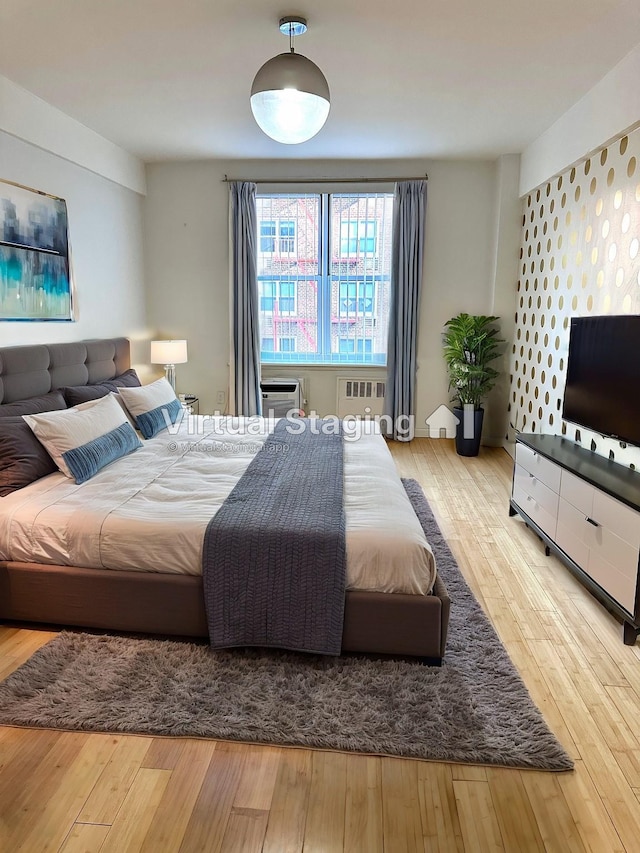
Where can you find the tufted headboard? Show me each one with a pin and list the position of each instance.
(28, 371)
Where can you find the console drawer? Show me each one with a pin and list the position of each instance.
(585, 542)
(543, 469)
(577, 492)
(570, 533)
(605, 545)
(536, 488)
(620, 586)
(617, 517)
(535, 511)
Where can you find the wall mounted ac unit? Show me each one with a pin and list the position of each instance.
(360, 397)
(279, 396)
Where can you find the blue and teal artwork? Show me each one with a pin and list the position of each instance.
(35, 275)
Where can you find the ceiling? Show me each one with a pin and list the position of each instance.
(409, 78)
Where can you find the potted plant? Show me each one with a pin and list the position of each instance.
(470, 342)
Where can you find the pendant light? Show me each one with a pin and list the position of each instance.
(290, 94)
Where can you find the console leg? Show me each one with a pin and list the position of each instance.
(630, 634)
(512, 511)
(547, 550)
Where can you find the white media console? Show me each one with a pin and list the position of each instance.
(586, 509)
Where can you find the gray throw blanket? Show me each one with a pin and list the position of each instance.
(274, 557)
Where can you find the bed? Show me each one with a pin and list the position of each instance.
(87, 578)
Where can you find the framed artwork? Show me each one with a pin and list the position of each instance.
(35, 268)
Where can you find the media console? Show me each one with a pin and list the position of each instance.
(586, 509)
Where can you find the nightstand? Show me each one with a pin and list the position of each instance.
(190, 403)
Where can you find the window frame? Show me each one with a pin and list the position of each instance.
(325, 325)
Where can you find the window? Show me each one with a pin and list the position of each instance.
(267, 236)
(349, 346)
(357, 238)
(284, 345)
(277, 297)
(356, 297)
(287, 344)
(287, 237)
(324, 264)
(278, 236)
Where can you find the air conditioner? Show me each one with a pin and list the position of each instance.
(279, 396)
(360, 397)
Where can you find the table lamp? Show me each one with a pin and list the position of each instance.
(169, 353)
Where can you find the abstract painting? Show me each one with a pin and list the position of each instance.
(35, 270)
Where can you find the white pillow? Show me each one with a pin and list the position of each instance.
(153, 406)
(85, 438)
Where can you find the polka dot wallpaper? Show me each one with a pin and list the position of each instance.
(580, 256)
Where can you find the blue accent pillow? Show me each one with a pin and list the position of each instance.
(154, 406)
(85, 461)
(84, 439)
(153, 422)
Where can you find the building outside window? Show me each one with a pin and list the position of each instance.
(278, 237)
(324, 269)
(349, 346)
(358, 238)
(287, 236)
(277, 296)
(356, 297)
(284, 345)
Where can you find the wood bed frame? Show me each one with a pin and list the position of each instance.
(169, 604)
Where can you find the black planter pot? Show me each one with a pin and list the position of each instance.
(469, 445)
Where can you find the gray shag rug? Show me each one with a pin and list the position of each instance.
(474, 709)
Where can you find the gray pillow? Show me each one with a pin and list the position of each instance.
(128, 379)
(75, 394)
(51, 402)
(22, 458)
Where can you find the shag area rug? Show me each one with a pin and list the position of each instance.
(474, 709)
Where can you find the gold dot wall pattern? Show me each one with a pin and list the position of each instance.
(579, 256)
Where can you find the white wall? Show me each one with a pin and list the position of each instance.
(507, 227)
(27, 117)
(187, 263)
(105, 231)
(609, 109)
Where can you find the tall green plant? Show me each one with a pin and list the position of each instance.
(470, 342)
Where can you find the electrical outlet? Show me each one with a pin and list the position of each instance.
(221, 397)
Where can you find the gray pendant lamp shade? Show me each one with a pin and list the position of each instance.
(290, 98)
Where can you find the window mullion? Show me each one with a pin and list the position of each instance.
(324, 278)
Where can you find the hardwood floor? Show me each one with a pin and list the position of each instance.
(79, 793)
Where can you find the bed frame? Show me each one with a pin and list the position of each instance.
(162, 604)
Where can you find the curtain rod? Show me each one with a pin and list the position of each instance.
(228, 180)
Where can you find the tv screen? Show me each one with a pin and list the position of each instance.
(602, 392)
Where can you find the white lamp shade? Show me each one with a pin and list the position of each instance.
(168, 352)
(290, 98)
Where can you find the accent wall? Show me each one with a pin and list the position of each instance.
(580, 256)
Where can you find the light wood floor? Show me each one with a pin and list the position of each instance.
(75, 792)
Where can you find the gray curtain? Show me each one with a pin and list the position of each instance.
(406, 281)
(245, 317)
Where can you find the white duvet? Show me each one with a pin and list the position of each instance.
(149, 510)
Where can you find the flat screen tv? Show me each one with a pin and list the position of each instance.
(602, 391)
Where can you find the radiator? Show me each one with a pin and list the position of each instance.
(279, 396)
(360, 397)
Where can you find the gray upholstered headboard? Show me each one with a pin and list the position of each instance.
(32, 370)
